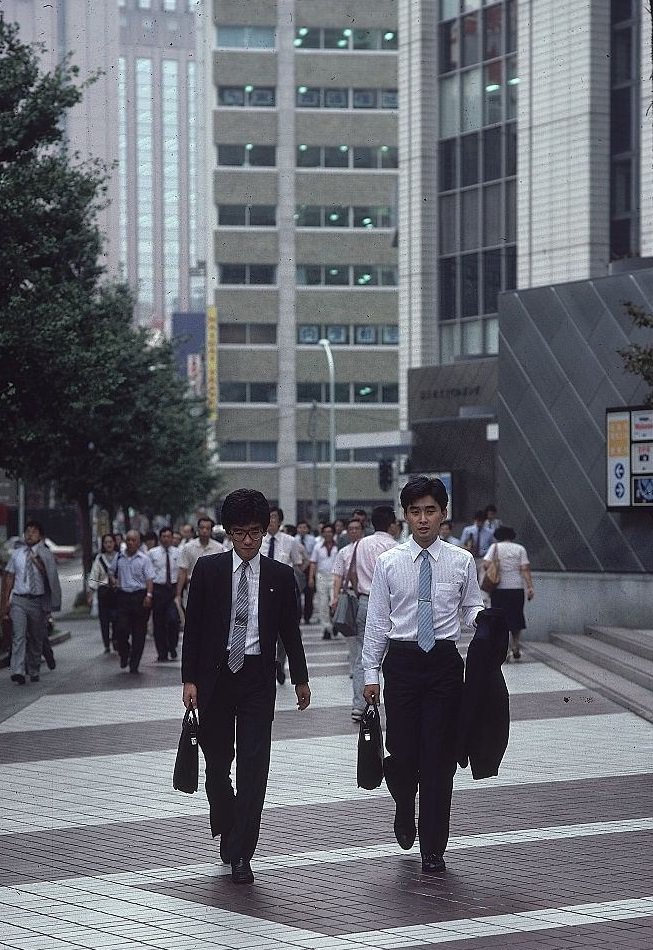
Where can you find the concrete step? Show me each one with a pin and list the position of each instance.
(619, 689)
(637, 642)
(634, 668)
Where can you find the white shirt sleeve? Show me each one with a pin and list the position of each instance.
(471, 601)
(377, 625)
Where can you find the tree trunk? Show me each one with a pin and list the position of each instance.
(87, 537)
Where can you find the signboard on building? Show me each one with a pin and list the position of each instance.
(629, 458)
(212, 361)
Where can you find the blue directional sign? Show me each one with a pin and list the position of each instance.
(619, 471)
(619, 490)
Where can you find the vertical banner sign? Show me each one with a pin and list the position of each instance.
(641, 434)
(618, 458)
(212, 362)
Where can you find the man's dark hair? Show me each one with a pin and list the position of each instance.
(165, 528)
(359, 511)
(354, 521)
(419, 487)
(152, 535)
(382, 517)
(303, 521)
(205, 518)
(278, 511)
(504, 533)
(328, 524)
(447, 521)
(479, 515)
(32, 523)
(245, 506)
(490, 508)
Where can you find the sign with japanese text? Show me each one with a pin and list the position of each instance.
(629, 458)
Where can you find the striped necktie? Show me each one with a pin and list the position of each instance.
(425, 633)
(271, 548)
(238, 637)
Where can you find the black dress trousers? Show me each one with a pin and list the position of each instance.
(422, 698)
(237, 719)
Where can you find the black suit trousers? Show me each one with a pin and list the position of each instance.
(237, 720)
(165, 620)
(422, 698)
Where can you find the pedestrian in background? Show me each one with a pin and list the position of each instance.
(515, 571)
(165, 616)
(134, 576)
(192, 551)
(492, 521)
(102, 582)
(307, 540)
(150, 541)
(279, 546)
(447, 535)
(32, 582)
(320, 578)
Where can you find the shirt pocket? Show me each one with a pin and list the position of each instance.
(447, 596)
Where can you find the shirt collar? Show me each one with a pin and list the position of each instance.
(433, 549)
(254, 563)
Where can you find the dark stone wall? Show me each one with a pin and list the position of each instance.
(559, 370)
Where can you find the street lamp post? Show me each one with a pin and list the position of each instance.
(333, 491)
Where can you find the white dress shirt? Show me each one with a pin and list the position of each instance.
(133, 571)
(252, 645)
(26, 582)
(193, 550)
(325, 562)
(392, 609)
(158, 559)
(512, 557)
(370, 549)
(283, 547)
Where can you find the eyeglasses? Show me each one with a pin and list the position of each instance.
(239, 534)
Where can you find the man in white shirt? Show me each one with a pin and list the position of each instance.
(280, 546)
(368, 552)
(165, 617)
(307, 540)
(192, 551)
(418, 589)
(320, 577)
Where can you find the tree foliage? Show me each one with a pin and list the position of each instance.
(638, 358)
(87, 401)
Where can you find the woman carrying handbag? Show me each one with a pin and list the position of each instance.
(514, 572)
(101, 579)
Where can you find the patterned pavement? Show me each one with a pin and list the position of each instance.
(98, 851)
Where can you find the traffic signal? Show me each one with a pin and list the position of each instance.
(385, 474)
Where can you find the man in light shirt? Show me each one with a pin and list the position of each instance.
(418, 589)
(280, 546)
(368, 552)
(192, 551)
(165, 617)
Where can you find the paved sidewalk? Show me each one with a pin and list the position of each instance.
(98, 851)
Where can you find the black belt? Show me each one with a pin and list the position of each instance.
(170, 586)
(414, 645)
(30, 596)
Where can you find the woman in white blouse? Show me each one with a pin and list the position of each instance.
(101, 580)
(515, 573)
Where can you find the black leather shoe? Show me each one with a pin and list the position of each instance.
(405, 830)
(241, 872)
(281, 676)
(433, 864)
(124, 662)
(224, 851)
(18, 678)
(51, 663)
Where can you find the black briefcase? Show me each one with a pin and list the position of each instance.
(187, 762)
(369, 772)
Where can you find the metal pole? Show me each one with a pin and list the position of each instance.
(21, 507)
(333, 491)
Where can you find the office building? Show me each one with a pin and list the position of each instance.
(302, 169)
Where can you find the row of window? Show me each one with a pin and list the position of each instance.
(468, 338)
(478, 36)
(311, 156)
(307, 216)
(308, 37)
(478, 156)
(166, 5)
(265, 37)
(470, 283)
(342, 216)
(306, 452)
(343, 334)
(308, 334)
(243, 392)
(308, 97)
(478, 217)
(478, 97)
(451, 8)
(313, 275)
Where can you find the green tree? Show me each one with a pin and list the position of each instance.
(638, 358)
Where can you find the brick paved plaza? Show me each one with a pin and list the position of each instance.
(98, 851)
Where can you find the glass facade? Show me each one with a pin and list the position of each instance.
(170, 170)
(478, 88)
(144, 182)
(193, 148)
(122, 166)
(624, 129)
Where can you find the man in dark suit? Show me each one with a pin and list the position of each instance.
(239, 604)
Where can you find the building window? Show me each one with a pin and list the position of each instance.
(247, 215)
(247, 273)
(233, 452)
(233, 392)
(256, 334)
(368, 218)
(366, 335)
(247, 156)
(246, 37)
(144, 181)
(346, 39)
(308, 333)
(262, 97)
(346, 156)
(316, 97)
(309, 392)
(366, 392)
(248, 452)
(338, 334)
(171, 183)
(346, 275)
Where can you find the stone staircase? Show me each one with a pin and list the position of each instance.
(615, 661)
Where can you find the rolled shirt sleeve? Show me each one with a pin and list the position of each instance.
(471, 601)
(377, 625)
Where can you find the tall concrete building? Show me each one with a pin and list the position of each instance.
(143, 119)
(523, 128)
(302, 165)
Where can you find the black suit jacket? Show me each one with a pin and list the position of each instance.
(484, 723)
(208, 615)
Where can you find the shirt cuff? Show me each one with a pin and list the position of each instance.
(371, 677)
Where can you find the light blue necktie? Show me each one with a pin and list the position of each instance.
(239, 635)
(425, 633)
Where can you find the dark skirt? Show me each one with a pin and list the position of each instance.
(511, 599)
